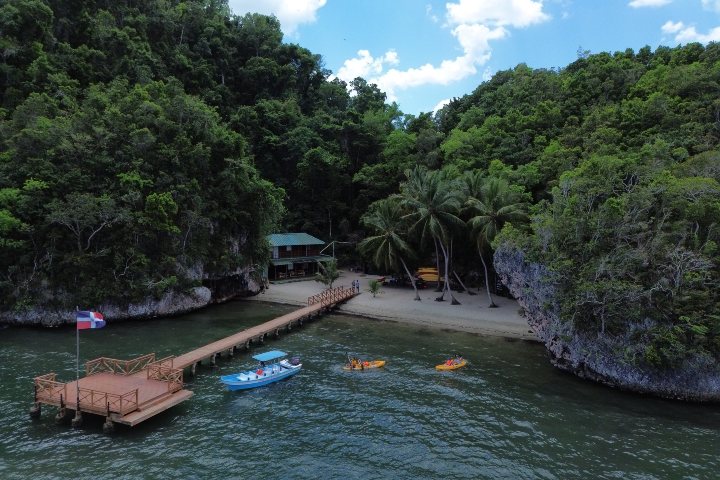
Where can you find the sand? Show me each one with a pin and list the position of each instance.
(397, 304)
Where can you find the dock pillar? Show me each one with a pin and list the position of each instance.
(192, 369)
(35, 410)
(76, 422)
(108, 426)
(247, 345)
(231, 351)
(262, 338)
(61, 416)
(212, 359)
(277, 333)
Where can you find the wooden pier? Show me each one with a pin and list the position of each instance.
(131, 391)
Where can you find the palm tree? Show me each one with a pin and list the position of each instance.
(433, 201)
(328, 273)
(387, 247)
(491, 204)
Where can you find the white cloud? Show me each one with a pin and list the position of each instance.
(430, 14)
(711, 5)
(487, 74)
(365, 65)
(474, 40)
(671, 27)
(291, 13)
(474, 23)
(516, 13)
(648, 3)
(687, 33)
(440, 105)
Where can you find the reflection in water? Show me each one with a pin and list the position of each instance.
(507, 415)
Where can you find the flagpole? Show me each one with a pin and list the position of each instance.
(77, 360)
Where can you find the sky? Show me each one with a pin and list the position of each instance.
(422, 53)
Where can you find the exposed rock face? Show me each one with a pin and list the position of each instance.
(598, 357)
(172, 303)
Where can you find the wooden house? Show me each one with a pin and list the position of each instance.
(294, 255)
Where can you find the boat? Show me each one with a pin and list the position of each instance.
(454, 366)
(273, 367)
(366, 365)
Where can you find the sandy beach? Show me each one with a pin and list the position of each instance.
(397, 304)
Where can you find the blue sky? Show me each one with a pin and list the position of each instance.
(425, 52)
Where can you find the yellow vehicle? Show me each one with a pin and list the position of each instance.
(453, 364)
(356, 364)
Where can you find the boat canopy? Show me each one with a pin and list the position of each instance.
(271, 355)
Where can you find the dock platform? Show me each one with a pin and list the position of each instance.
(131, 391)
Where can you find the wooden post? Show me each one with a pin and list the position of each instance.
(76, 422)
(192, 369)
(212, 359)
(108, 426)
(35, 410)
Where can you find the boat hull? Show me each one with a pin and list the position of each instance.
(251, 379)
(373, 364)
(451, 367)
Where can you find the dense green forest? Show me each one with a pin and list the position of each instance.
(144, 142)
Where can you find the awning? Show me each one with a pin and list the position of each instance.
(271, 355)
(278, 262)
(290, 261)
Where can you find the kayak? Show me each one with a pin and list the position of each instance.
(370, 365)
(430, 277)
(454, 366)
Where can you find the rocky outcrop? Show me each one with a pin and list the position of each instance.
(604, 359)
(172, 303)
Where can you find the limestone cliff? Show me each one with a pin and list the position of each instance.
(604, 359)
(216, 290)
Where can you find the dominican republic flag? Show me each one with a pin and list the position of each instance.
(89, 320)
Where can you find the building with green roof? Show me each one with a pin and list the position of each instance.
(294, 255)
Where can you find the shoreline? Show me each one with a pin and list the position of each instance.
(396, 304)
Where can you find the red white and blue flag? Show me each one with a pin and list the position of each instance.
(89, 320)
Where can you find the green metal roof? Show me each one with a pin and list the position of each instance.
(285, 239)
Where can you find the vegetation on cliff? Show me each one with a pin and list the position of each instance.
(144, 145)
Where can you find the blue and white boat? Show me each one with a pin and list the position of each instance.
(269, 371)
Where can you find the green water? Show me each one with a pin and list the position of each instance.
(508, 415)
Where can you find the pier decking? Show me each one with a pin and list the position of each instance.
(131, 391)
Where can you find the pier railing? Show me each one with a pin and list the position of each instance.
(48, 390)
(104, 402)
(330, 296)
(173, 376)
(119, 367)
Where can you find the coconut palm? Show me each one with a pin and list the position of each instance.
(491, 204)
(433, 202)
(327, 273)
(387, 247)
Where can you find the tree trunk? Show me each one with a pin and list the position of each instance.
(412, 280)
(462, 284)
(487, 281)
(453, 300)
(437, 267)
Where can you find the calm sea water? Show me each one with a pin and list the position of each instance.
(508, 415)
